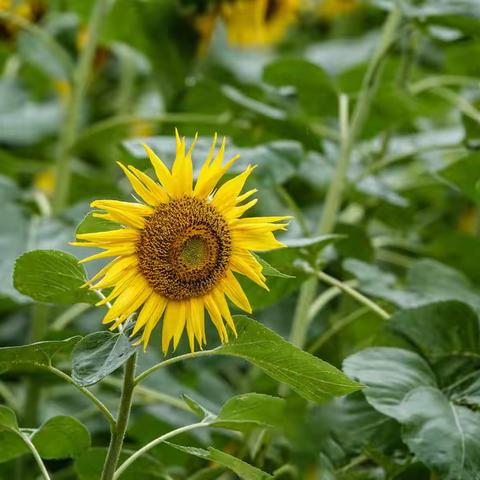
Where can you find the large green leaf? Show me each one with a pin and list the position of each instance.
(440, 329)
(309, 376)
(99, 354)
(251, 409)
(444, 436)
(427, 281)
(244, 470)
(389, 374)
(52, 276)
(61, 437)
(28, 357)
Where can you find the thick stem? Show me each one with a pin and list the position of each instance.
(118, 435)
(349, 133)
(80, 80)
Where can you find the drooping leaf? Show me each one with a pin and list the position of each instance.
(196, 408)
(51, 276)
(440, 329)
(444, 436)
(28, 357)
(61, 437)
(309, 376)
(99, 354)
(389, 374)
(251, 409)
(244, 470)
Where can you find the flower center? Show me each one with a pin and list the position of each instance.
(184, 249)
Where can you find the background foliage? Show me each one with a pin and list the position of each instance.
(364, 123)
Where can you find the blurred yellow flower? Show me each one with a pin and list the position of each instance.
(30, 10)
(45, 181)
(258, 22)
(178, 247)
(204, 25)
(63, 89)
(330, 9)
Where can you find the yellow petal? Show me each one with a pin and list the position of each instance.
(124, 250)
(221, 302)
(255, 240)
(111, 236)
(235, 293)
(173, 324)
(145, 194)
(161, 170)
(216, 318)
(157, 191)
(227, 194)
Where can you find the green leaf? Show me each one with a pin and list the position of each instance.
(244, 470)
(8, 419)
(389, 375)
(196, 408)
(51, 276)
(99, 354)
(444, 436)
(11, 446)
(251, 409)
(464, 174)
(268, 270)
(309, 376)
(61, 437)
(40, 354)
(91, 224)
(11, 443)
(314, 88)
(439, 329)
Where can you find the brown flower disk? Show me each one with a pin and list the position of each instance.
(184, 249)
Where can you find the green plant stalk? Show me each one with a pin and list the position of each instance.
(154, 443)
(81, 76)
(349, 132)
(36, 455)
(118, 433)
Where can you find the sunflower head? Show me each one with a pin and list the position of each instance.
(258, 22)
(179, 247)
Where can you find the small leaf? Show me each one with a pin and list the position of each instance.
(61, 437)
(11, 442)
(309, 376)
(251, 409)
(51, 276)
(40, 354)
(99, 354)
(389, 375)
(196, 408)
(444, 436)
(244, 470)
(268, 270)
(8, 419)
(92, 224)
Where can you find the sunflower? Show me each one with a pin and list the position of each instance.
(258, 22)
(179, 246)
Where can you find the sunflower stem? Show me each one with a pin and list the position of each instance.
(349, 132)
(80, 80)
(118, 433)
